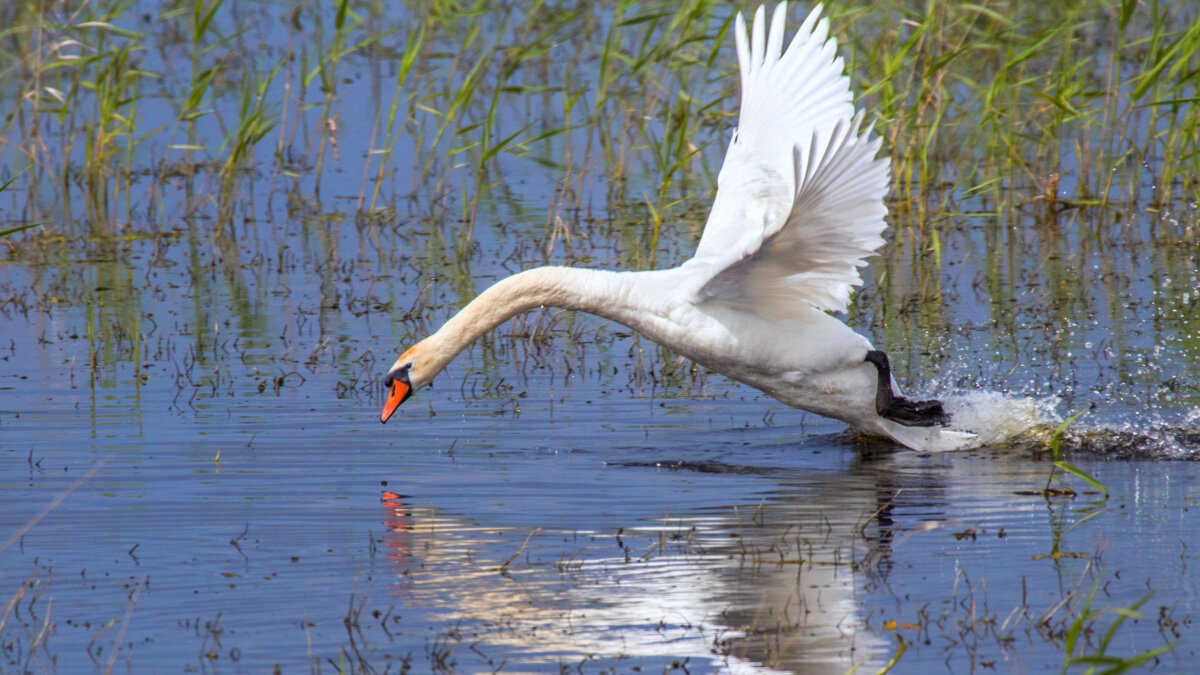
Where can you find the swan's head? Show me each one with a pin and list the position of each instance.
(415, 368)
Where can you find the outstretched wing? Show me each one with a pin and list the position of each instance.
(799, 204)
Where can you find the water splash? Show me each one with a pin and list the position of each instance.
(1005, 420)
(1000, 419)
(1148, 438)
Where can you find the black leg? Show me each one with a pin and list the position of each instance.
(897, 408)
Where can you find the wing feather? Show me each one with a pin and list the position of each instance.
(799, 204)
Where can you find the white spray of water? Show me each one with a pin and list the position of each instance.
(1000, 419)
(1151, 435)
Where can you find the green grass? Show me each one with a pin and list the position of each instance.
(1067, 467)
(1100, 660)
(986, 110)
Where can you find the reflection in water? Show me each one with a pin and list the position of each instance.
(761, 588)
(929, 559)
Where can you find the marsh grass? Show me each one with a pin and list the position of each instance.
(593, 135)
(991, 113)
(988, 110)
(1059, 103)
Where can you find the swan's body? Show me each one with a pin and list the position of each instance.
(799, 206)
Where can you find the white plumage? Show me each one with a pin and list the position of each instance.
(799, 204)
(799, 208)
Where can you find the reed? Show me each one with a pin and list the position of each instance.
(385, 154)
(255, 119)
(986, 110)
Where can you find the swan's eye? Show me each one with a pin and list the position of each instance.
(400, 373)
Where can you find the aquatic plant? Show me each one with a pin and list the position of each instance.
(1100, 661)
(21, 228)
(1055, 448)
(988, 112)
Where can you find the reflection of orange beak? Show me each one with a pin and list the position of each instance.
(399, 394)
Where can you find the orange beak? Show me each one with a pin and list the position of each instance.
(399, 394)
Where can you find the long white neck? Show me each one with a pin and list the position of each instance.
(606, 294)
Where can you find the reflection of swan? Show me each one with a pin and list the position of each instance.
(828, 571)
(762, 590)
(798, 209)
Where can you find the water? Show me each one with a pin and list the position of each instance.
(229, 501)
(193, 476)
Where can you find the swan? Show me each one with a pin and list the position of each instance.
(799, 207)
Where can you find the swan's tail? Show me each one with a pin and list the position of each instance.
(929, 439)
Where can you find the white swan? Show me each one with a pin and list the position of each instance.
(799, 206)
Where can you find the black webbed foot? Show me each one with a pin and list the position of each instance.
(899, 409)
(915, 413)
